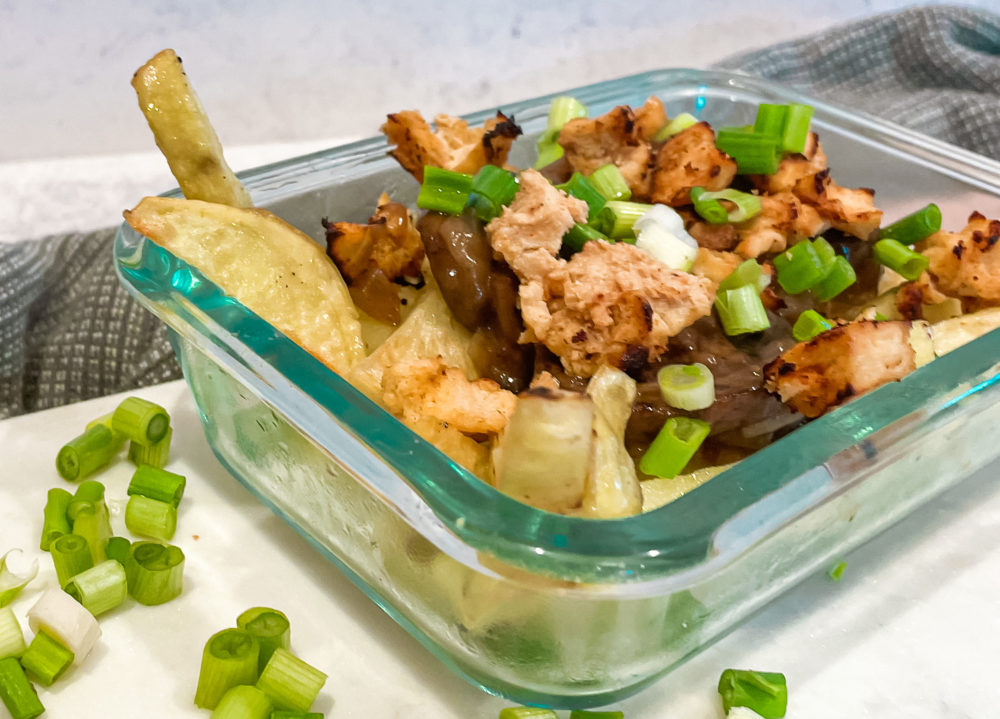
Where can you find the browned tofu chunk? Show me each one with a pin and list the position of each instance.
(783, 220)
(650, 118)
(690, 159)
(966, 264)
(844, 362)
(794, 167)
(612, 138)
(849, 210)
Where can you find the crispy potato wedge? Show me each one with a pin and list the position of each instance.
(274, 269)
(184, 134)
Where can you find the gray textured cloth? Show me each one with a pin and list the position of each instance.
(69, 332)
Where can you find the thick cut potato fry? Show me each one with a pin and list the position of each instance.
(268, 265)
(184, 134)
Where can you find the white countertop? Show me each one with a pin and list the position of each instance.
(911, 632)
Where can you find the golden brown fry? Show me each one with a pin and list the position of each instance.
(184, 134)
(274, 269)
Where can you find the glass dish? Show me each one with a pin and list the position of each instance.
(556, 610)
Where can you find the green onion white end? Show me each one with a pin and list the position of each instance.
(67, 621)
(660, 232)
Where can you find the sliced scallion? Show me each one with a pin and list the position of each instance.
(914, 227)
(88, 493)
(100, 588)
(46, 659)
(271, 628)
(16, 691)
(118, 549)
(581, 188)
(106, 420)
(836, 572)
(687, 386)
(444, 190)
(764, 692)
(150, 517)
(674, 446)
(66, 621)
(84, 455)
(156, 454)
(583, 714)
(770, 119)
(155, 572)
(158, 484)
(527, 713)
(616, 218)
(755, 153)
(141, 421)
(705, 204)
(55, 522)
(609, 181)
(677, 124)
(229, 659)
(492, 189)
(748, 272)
(902, 259)
(838, 278)
(12, 583)
(561, 111)
(796, 130)
(243, 702)
(810, 324)
(677, 250)
(741, 311)
(578, 235)
(284, 714)
(93, 524)
(70, 555)
(11, 637)
(799, 268)
(289, 682)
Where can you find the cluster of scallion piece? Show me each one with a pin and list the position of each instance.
(96, 570)
(249, 672)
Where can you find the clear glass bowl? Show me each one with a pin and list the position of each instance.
(548, 609)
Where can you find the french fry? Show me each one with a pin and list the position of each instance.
(274, 269)
(184, 134)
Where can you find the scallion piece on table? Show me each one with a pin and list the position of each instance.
(289, 682)
(155, 572)
(578, 235)
(11, 583)
(243, 702)
(141, 421)
(156, 483)
(444, 190)
(674, 446)
(617, 217)
(16, 691)
(106, 420)
(46, 659)
(755, 154)
(836, 572)
(799, 268)
(118, 549)
(11, 637)
(687, 386)
(902, 259)
(741, 311)
(527, 713)
(764, 692)
(838, 278)
(561, 111)
(150, 517)
(492, 189)
(156, 454)
(100, 588)
(93, 524)
(809, 324)
(914, 227)
(583, 714)
(55, 521)
(88, 493)
(65, 620)
(271, 628)
(708, 206)
(748, 272)
(84, 455)
(609, 181)
(70, 555)
(229, 659)
(581, 188)
(796, 130)
(284, 714)
(677, 124)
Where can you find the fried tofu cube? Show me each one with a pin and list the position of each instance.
(966, 264)
(849, 210)
(615, 138)
(690, 159)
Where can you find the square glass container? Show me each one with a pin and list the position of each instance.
(542, 608)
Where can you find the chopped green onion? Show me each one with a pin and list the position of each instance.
(617, 217)
(914, 227)
(582, 189)
(271, 629)
(561, 111)
(799, 268)
(106, 420)
(229, 659)
(674, 446)
(796, 129)
(11, 584)
(838, 278)
(444, 190)
(748, 272)
(16, 691)
(492, 188)
(150, 517)
(527, 713)
(879, 317)
(764, 692)
(55, 522)
(770, 119)
(155, 572)
(900, 258)
(581, 714)
(548, 152)
(11, 637)
(118, 549)
(100, 588)
(156, 454)
(676, 249)
(46, 659)
(141, 421)
(84, 455)
(609, 181)
(755, 154)
(243, 702)
(578, 235)
(93, 524)
(679, 123)
(283, 714)
(705, 204)
(741, 311)
(65, 620)
(70, 555)
(827, 255)
(87, 495)
(836, 572)
(687, 386)
(809, 324)
(158, 484)
(289, 682)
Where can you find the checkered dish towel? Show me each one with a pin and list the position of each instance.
(69, 332)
